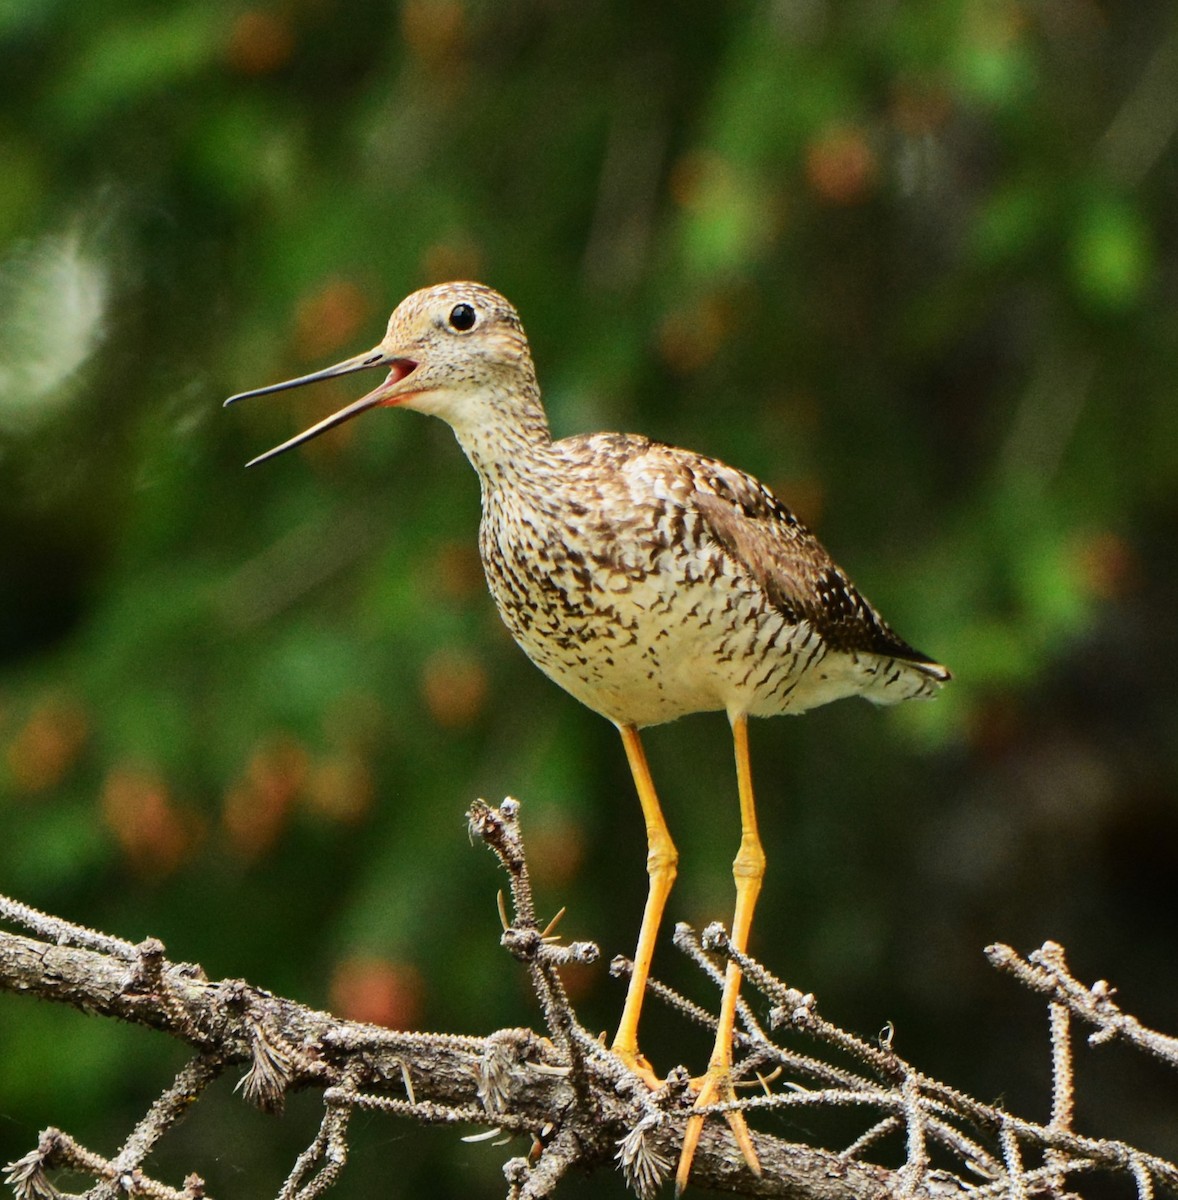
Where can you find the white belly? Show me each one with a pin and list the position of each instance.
(646, 650)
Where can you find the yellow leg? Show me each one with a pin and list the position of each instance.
(661, 863)
(748, 870)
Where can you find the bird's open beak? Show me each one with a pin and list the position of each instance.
(398, 369)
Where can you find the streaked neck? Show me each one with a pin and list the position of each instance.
(502, 433)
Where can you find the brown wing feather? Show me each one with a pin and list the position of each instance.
(791, 564)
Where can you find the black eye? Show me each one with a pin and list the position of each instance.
(462, 317)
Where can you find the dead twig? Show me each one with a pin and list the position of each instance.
(574, 1102)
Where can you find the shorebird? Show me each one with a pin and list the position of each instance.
(649, 582)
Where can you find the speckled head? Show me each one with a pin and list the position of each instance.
(455, 350)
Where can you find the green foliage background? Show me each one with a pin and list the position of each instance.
(912, 263)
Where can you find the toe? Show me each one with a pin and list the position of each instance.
(714, 1088)
(637, 1063)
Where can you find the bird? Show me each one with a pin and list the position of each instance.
(648, 581)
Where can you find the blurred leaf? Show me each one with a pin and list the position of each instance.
(134, 59)
(994, 63)
(19, 17)
(1012, 221)
(1110, 252)
(68, 846)
(22, 183)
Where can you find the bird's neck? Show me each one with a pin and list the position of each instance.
(505, 434)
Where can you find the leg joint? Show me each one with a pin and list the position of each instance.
(662, 860)
(749, 862)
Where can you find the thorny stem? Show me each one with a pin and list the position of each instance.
(1062, 1085)
(1012, 1154)
(64, 933)
(341, 1058)
(868, 1138)
(621, 967)
(57, 1150)
(170, 1107)
(916, 1125)
(1142, 1178)
(326, 1156)
(799, 1011)
(1044, 971)
(499, 828)
(754, 1037)
(697, 949)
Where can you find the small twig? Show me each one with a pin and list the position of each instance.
(523, 938)
(1142, 1178)
(499, 828)
(915, 1125)
(578, 1103)
(1013, 1157)
(425, 1111)
(972, 1154)
(880, 1130)
(169, 1108)
(553, 1164)
(1033, 1182)
(1062, 1080)
(621, 967)
(715, 939)
(64, 933)
(1041, 973)
(326, 1156)
(57, 1150)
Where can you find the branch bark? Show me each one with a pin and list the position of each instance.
(429, 1077)
(575, 1102)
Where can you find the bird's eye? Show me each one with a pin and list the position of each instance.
(462, 317)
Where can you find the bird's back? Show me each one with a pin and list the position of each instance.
(651, 582)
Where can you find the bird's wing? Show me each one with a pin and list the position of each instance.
(790, 564)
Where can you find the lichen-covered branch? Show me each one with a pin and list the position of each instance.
(1046, 971)
(574, 1103)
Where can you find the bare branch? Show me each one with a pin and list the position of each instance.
(575, 1103)
(1046, 972)
(515, 1081)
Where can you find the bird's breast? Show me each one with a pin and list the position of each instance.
(642, 624)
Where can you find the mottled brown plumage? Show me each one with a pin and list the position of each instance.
(648, 581)
(651, 582)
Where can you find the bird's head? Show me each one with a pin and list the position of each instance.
(450, 350)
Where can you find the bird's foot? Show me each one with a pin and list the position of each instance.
(714, 1088)
(636, 1062)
